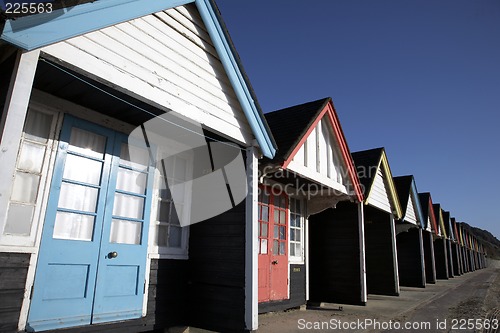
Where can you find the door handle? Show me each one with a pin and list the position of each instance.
(112, 255)
(274, 262)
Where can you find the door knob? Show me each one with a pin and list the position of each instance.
(112, 255)
(274, 262)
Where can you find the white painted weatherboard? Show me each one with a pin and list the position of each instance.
(429, 225)
(379, 194)
(318, 158)
(166, 59)
(410, 216)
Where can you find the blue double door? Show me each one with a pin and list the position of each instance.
(92, 259)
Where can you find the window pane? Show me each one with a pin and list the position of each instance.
(282, 217)
(275, 247)
(292, 235)
(276, 232)
(175, 237)
(25, 187)
(292, 205)
(264, 215)
(131, 181)
(37, 126)
(263, 229)
(78, 197)
(176, 211)
(134, 156)
(31, 158)
(128, 206)
(263, 246)
(276, 216)
(164, 211)
(87, 143)
(125, 232)
(73, 226)
(282, 248)
(19, 220)
(292, 250)
(297, 235)
(82, 170)
(161, 235)
(282, 232)
(298, 250)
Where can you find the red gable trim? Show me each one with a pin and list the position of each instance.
(329, 110)
(433, 217)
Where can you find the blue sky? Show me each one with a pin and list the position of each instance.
(421, 78)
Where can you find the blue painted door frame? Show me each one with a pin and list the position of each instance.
(92, 276)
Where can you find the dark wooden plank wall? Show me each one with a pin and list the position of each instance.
(13, 272)
(380, 265)
(456, 259)
(430, 264)
(465, 261)
(449, 254)
(410, 259)
(334, 255)
(440, 254)
(217, 272)
(297, 292)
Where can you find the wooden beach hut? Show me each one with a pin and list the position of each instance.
(449, 240)
(409, 236)
(381, 210)
(441, 246)
(306, 252)
(455, 249)
(91, 238)
(429, 234)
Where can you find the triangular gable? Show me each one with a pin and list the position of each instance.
(409, 200)
(455, 229)
(439, 219)
(380, 190)
(40, 30)
(448, 226)
(312, 144)
(428, 212)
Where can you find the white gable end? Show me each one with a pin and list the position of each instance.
(166, 59)
(319, 158)
(411, 216)
(379, 194)
(429, 224)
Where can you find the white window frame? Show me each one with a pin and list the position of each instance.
(27, 242)
(165, 252)
(297, 259)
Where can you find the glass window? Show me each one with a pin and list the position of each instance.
(26, 187)
(296, 230)
(171, 239)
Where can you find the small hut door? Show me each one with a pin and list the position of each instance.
(91, 265)
(273, 246)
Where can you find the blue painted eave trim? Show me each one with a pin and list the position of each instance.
(420, 213)
(241, 87)
(35, 31)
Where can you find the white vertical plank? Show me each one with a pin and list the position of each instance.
(395, 252)
(422, 255)
(251, 247)
(362, 252)
(12, 123)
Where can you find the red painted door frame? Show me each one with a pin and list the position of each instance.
(273, 245)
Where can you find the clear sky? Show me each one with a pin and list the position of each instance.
(419, 77)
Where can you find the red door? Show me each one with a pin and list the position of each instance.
(273, 246)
